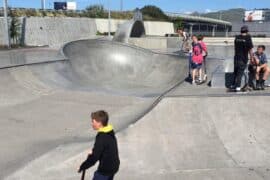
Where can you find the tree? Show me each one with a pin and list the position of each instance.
(14, 28)
(178, 23)
(95, 11)
(154, 13)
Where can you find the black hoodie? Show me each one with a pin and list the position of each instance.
(105, 151)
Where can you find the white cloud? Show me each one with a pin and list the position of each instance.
(188, 12)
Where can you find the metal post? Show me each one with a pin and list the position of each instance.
(121, 5)
(227, 31)
(43, 4)
(7, 37)
(214, 31)
(220, 15)
(191, 29)
(109, 19)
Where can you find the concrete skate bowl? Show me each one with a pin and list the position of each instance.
(190, 138)
(119, 68)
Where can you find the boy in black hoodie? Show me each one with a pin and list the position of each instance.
(105, 149)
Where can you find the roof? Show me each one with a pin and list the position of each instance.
(199, 18)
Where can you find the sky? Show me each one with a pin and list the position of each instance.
(177, 6)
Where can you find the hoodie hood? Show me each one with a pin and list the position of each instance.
(106, 129)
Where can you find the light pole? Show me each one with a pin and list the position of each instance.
(43, 4)
(121, 5)
(109, 19)
(220, 15)
(7, 38)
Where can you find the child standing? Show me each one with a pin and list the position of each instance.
(197, 59)
(105, 149)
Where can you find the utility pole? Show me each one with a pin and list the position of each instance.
(220, 15)
(121, 5)
(109, 19)
(7, 37)
(43, 4)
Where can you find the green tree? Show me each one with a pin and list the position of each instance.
(14, 28)
(153, 13)
(178, 23)
(95, 11)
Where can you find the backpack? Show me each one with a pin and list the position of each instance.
(199, 45)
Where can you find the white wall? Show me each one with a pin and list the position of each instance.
(2, 31)
(55, 31)
(152, 28)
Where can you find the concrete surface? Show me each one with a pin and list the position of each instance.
(57, 31)
(152, 28)
(38, 92)
(37, 117)
(176, 42)
(2, 30)
(167, 129)
(115, 67)
(180, 139)
(27, 56)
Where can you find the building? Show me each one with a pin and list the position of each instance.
(203, 25)
(258, 21)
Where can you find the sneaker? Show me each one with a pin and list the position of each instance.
(205, 77)
(262, 85)
(193, 82)
(258, 86)
(238, 89)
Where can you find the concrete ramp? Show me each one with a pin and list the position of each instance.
(181, 138)
(120, 68)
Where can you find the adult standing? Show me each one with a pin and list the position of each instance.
(243, 46)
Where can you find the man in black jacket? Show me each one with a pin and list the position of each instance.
(243, 46)
(105, 149)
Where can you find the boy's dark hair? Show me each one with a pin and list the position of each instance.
(101, 116)
(262, 46)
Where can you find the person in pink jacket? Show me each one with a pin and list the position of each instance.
(197, 59)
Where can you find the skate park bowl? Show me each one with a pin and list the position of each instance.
(123, 69)
(166, 128)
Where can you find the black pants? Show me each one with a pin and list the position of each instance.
(239, 69)
(252, 74)
(98, 176)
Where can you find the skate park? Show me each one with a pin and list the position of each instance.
(166, 128)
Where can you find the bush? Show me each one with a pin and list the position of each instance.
(95, 11)
(154, 13)
(14, 28)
